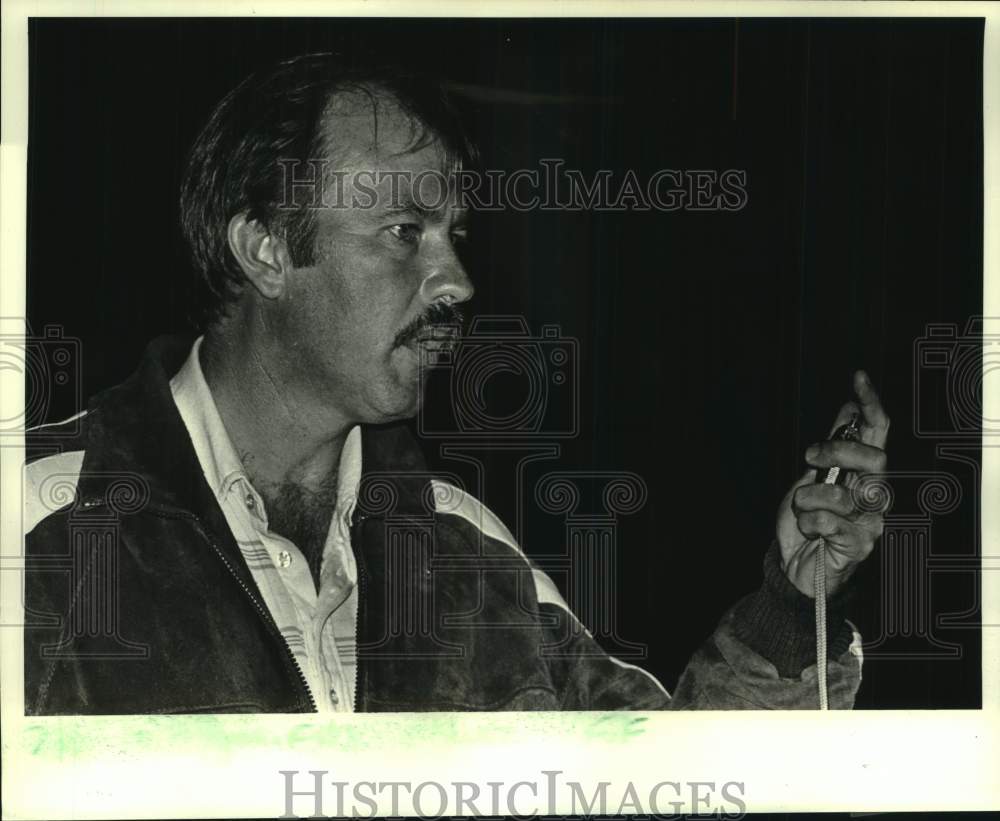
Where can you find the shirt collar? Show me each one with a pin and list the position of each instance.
(219, 460)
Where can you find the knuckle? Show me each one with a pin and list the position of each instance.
(863, 549)
(799, 495)
(844, 497)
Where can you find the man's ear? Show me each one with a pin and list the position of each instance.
(262, 256)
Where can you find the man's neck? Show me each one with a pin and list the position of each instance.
(289, 448)
(283, 439)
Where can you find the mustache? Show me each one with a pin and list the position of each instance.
(437, 314)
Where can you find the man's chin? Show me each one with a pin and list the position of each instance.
(404, 395)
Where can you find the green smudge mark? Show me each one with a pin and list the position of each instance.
(617, 727)
(67, 738)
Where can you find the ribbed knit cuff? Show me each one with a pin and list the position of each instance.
(778, 622)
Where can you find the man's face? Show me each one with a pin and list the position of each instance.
(380, 265)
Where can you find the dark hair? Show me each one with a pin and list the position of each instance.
(276, 114)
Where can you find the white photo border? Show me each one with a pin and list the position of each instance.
(228, 766)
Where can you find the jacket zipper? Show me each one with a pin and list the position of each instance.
(359, 616)
(268, 619)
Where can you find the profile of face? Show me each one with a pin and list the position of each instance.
(352, 328)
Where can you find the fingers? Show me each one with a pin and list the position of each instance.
(834, 498)
(854, 540)
(849, 501)
(844, 415)
(876, 422)
(855, 456)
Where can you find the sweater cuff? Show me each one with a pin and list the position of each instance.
(778, 621)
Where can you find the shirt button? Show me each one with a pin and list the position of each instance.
(284, 558)
(251, 504)
(334, 697)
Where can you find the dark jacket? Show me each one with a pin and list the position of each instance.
(138, 600)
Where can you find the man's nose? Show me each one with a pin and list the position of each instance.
(446, 277)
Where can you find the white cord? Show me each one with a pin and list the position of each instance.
(819, 591)
(848, 432)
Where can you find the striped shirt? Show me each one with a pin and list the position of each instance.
(320, 628)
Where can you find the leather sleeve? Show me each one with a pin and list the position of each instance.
(760, 657)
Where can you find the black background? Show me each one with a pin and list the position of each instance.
(713, 347)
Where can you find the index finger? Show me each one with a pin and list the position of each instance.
(875, 417)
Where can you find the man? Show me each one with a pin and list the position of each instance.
(228, 524)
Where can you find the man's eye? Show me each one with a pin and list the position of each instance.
(459, 237)
(406, 232)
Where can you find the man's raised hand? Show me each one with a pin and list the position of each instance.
(813, 513)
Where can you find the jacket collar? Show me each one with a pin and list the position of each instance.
(135, 434)
(224, 470)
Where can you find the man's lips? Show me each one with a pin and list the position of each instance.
(438, 339)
